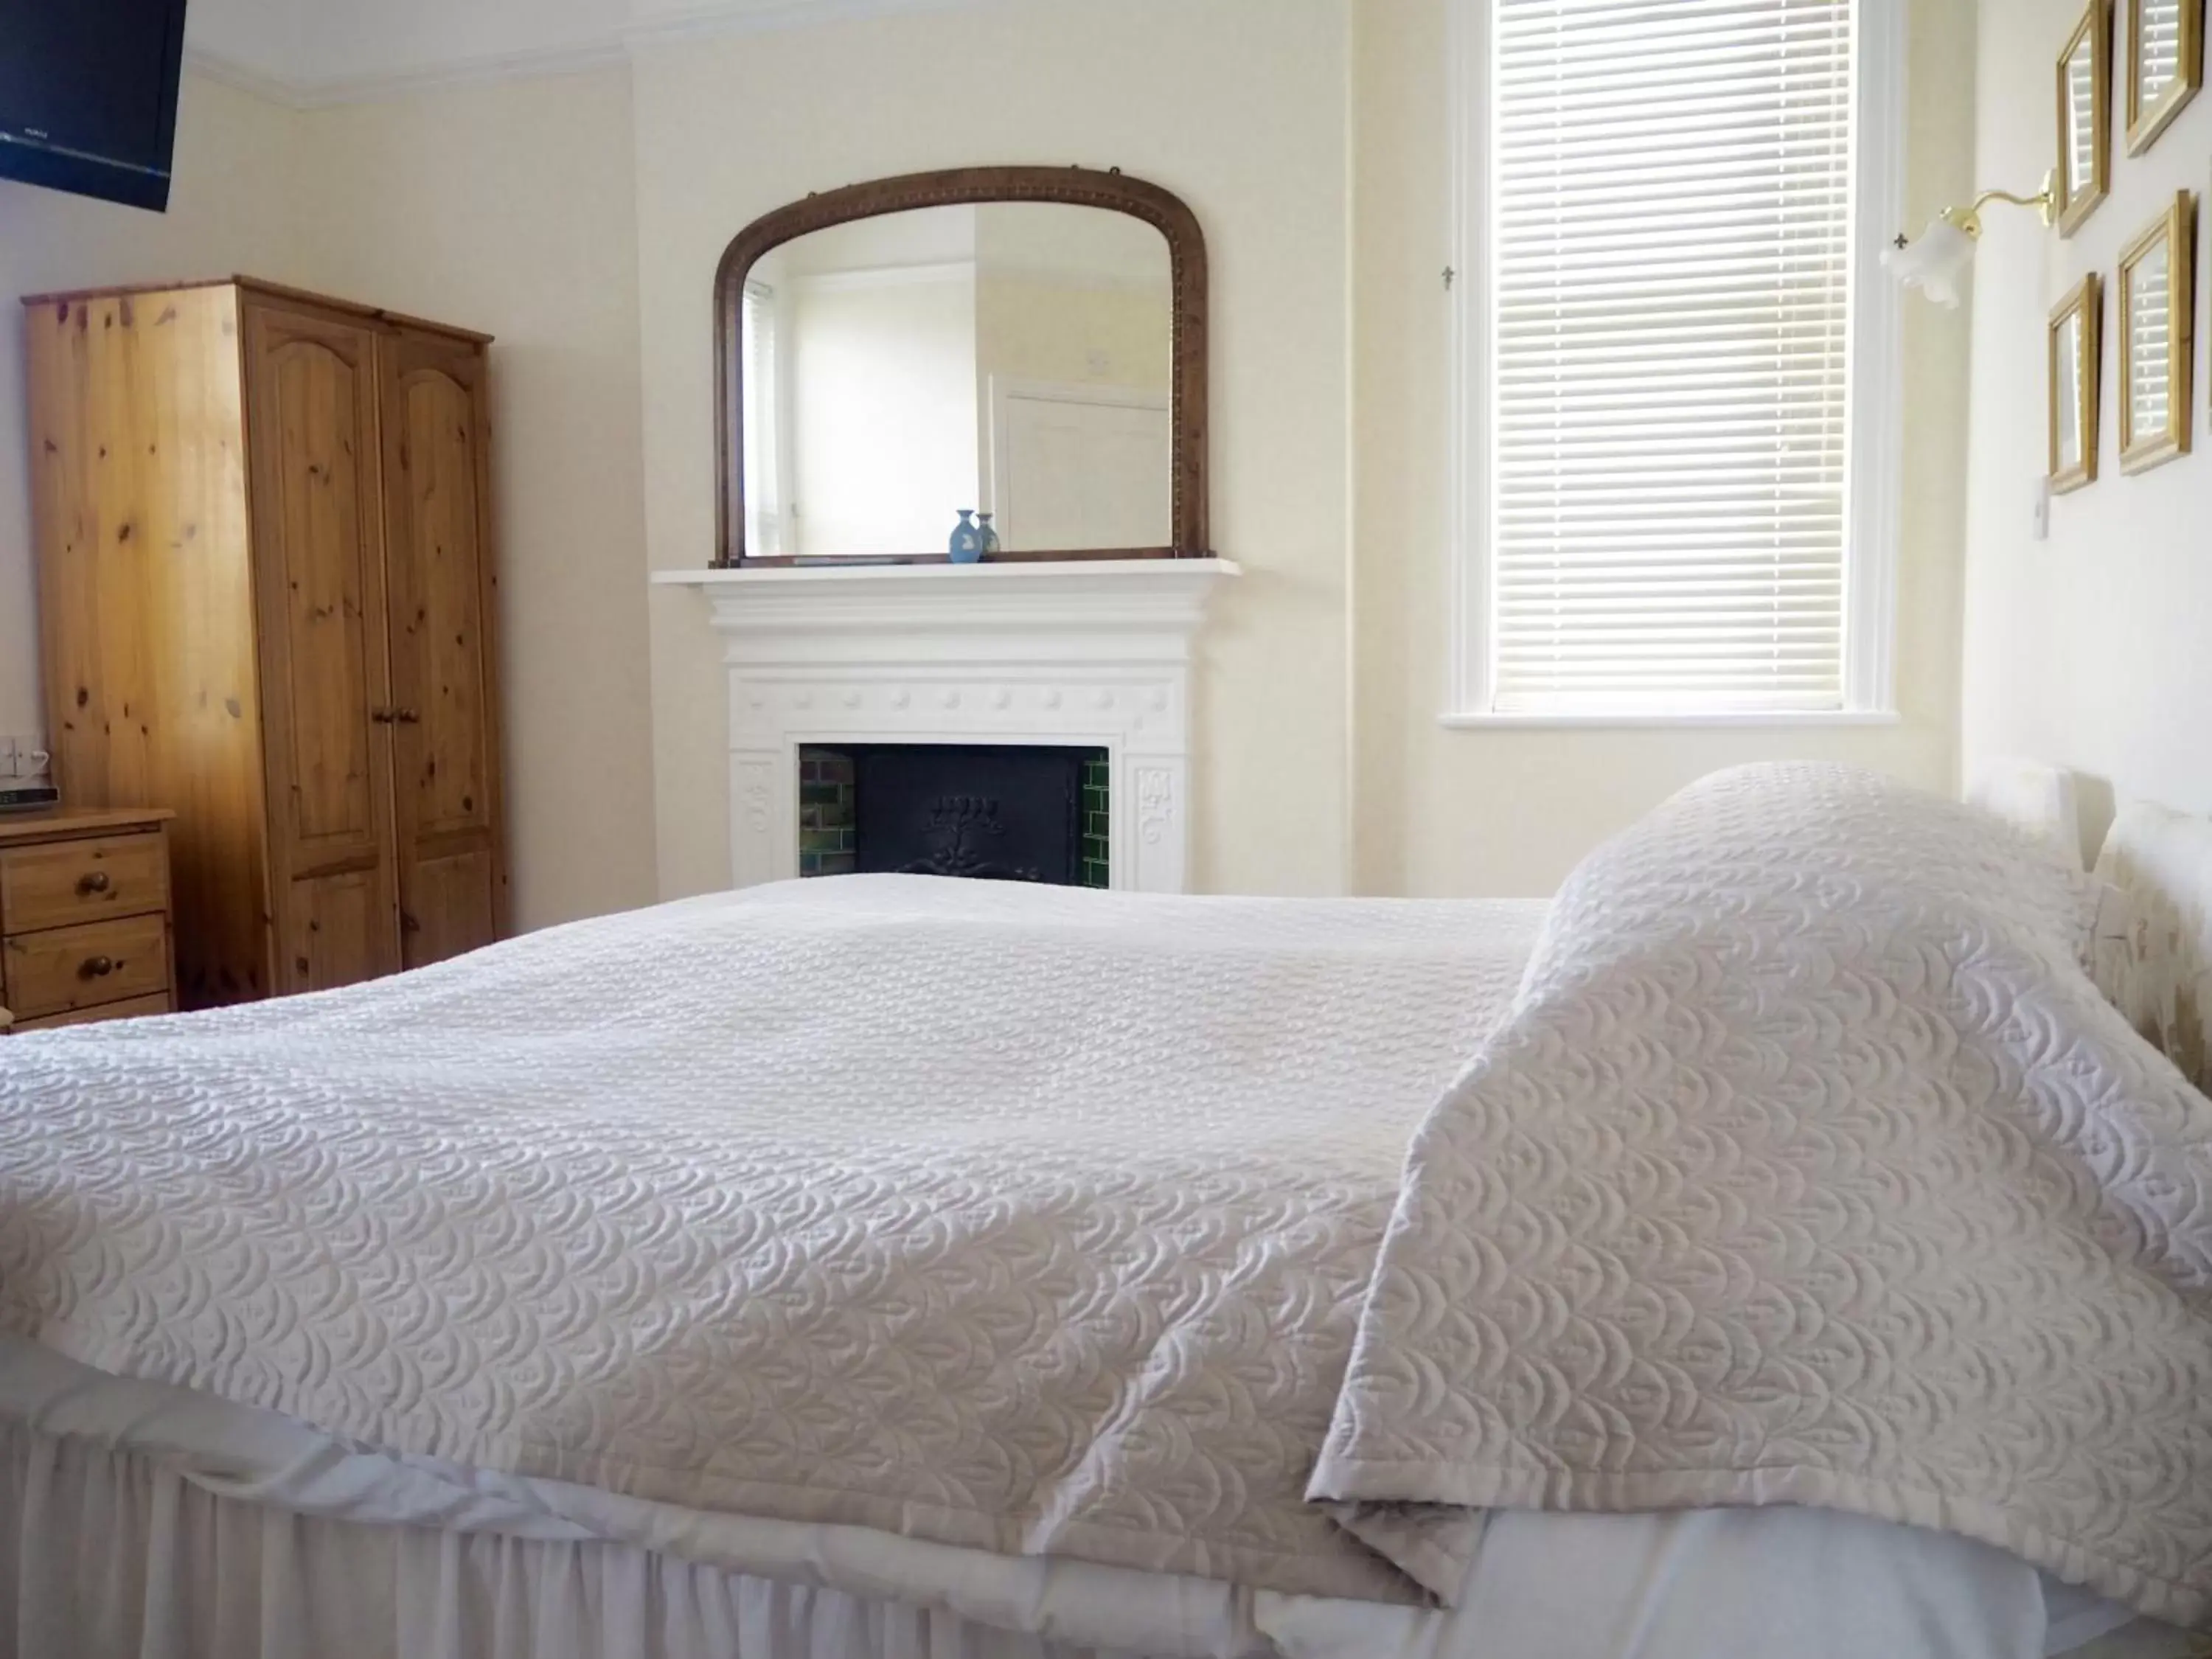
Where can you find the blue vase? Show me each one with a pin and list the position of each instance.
(966, 546)
(990, 535)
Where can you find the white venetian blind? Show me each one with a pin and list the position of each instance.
(1670, 231)
(761, 350)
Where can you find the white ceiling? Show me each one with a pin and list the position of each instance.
(327, 50)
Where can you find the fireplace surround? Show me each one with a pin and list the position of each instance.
(1093, 654)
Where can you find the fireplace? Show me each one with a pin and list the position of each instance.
(987, 812)
(1088, 654)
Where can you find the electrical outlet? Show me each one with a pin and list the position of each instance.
(2039, 526)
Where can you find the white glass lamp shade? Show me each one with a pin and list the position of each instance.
(1935, 262)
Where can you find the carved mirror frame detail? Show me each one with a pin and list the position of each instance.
(1112, 190)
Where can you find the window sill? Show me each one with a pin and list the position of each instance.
(1777, 719)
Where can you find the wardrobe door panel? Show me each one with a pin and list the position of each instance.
(445, 667)
(338, 929)
(319, 536)
(449, 907)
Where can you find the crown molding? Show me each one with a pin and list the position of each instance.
(729, 17)
(242, 77)
(693, 23)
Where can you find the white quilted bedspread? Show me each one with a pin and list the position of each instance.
(1019, 1220)
(1810, 1169)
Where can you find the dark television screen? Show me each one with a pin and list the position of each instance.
(88, 95)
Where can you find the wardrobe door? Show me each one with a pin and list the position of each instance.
(318, 580)
(445, 660)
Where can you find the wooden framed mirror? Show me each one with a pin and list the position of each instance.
(2166, 65)
(906, 367)
(2075, 353)
(2156, 312)
(2084, 131)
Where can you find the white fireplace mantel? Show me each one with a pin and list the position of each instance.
(1090, 654)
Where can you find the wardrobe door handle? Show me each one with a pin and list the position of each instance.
(406, 717)
(382, 716)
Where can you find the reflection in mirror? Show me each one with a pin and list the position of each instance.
(2157, 47)
(2150, 340)
(2084, 140)
(2165, 65)
(2156, 298)
(1008, 358)
(2067, 400)
(2081, 119)
(2073, 388)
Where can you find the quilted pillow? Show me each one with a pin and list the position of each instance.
(1828, 838)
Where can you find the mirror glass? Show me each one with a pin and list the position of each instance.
(2150, 329)
(2066, 390)
(2157, 48)
(2081, 118)
(1007, 358)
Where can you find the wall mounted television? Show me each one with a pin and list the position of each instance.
(88, 95)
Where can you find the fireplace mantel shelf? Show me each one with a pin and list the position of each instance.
(1093, 654)
(1152, 572)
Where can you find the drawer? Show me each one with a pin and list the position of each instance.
(65, 969)
(61, 882)
(156, 1004)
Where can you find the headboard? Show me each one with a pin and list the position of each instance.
(2157, 969)
(2154, 951)
(2038, 798)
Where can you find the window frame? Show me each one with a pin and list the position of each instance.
(1876, 368)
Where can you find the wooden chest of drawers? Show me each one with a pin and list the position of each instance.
(84, 917)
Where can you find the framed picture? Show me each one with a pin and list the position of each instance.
(2166, 65)
(2156, 317)
(2075, 352)
(2085, 129)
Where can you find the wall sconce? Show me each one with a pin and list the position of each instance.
(1936, 260)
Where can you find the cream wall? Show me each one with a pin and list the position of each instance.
(1239, 106)
(511, 207)
(2093, 649)
(230, 210)
(1508, 811)
(508, 208)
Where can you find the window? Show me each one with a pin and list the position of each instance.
(760, 340)
(1677, 415)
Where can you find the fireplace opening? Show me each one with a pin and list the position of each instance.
(987, 812)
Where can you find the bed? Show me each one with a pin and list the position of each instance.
(892, 1265)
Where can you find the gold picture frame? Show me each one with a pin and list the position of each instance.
(2155, 316)
(2075, 354)
(2166, 65)
(2084, 176)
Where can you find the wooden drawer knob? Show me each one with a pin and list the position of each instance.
(94, 881)
(95, 967)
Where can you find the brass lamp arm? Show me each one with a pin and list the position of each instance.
(1969, 219)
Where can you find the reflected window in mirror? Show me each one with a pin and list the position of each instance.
(2074, 390)
(2157, 299)
(2085, 150)
(2164, 65)
(1008, 358)
(766, 485)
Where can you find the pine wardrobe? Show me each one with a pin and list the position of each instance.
(267, 602)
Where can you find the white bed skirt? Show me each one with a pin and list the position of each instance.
(111, 1555)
